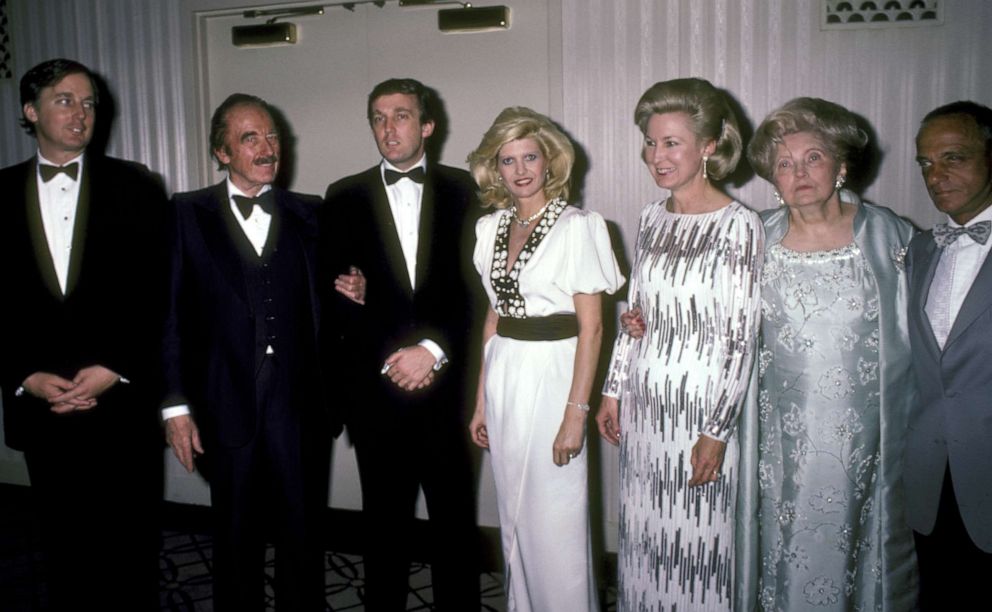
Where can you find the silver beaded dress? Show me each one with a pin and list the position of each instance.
(695, 278)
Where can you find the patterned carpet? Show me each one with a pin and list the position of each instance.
(185, 563)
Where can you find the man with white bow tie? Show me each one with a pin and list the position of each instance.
(949, 441)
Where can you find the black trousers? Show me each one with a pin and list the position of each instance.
(274, 488)
(400, 449)
(953, 571)
(97, 490)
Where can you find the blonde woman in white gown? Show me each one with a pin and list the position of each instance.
(544, 265)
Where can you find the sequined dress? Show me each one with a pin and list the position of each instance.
(543, 508)
(819, 433)
(695, 278)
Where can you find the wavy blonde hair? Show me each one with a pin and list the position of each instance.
(710, 118)
(515, 123)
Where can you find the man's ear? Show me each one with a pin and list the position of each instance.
(30, 112)
(426, 129)
(223, 155)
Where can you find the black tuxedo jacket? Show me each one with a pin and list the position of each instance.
(112, 310)
(357, 229)
(209, 347)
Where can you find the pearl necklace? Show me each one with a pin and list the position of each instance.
(526, 222)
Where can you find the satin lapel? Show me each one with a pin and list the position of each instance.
(978, 300)
(297, 228)
(81, 224)
(388, 233)
(217, 225)
(36, 228)
(425, 230)
(925, 275)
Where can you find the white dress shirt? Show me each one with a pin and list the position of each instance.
(956, 270)
(404, 202)
(256, 229)
(58, 199)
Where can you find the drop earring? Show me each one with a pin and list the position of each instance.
(778, 198)
(706, 158)
(839, 182)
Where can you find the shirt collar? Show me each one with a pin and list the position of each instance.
(422, 163)
(232, 190)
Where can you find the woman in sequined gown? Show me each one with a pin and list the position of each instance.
(822, 505)
(544, 265)
(681, 365)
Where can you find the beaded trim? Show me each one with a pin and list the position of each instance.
(506, 284)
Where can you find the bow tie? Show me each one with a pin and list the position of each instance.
(416, 175)
(49, 172)
(944, 234)
(266, 201)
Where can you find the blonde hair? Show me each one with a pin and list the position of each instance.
(516, 123)
(710, 117)
(833, 124)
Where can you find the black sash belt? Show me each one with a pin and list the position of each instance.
(554, 327)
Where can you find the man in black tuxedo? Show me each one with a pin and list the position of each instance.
(81, 263)
(402, 356)
(241, 364)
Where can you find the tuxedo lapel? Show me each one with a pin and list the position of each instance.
(925, 274)
(389, 234)
(218, 226)
(36, 229)
(977, 301)
(81, 224)
(425, 230)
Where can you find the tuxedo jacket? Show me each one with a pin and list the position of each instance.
(357, 229)
(951, 423)
(111, 313)
(210, 354)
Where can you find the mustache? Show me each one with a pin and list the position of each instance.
(268, 159)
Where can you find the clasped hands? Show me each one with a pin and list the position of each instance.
(80, 393)
(410, 368)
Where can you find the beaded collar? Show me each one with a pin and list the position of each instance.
(506, 284)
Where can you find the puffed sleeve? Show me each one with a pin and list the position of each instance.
(739, 317)
(590, 267)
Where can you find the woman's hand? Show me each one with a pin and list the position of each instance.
(632, 323)
(351, 285)
(706, 460)
(608, 420)
(478, 430)
(571, 435)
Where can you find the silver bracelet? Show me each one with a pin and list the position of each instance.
(580, 405)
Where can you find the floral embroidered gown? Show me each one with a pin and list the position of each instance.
(543, 508)
(695, 278)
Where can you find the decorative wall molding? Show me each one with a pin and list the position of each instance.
(862, 14)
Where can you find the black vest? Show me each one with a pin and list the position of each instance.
(280, 299)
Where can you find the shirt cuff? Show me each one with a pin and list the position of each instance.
(174, 411)
(440, 359)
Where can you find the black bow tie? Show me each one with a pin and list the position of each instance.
(49, 172)
(266, 201)
(416, 175)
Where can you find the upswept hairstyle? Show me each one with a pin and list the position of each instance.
(981, 114)
(709, 113)
(47, 74)
(515, 123)
(218, 122)
(426, 99)
(836, 126)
